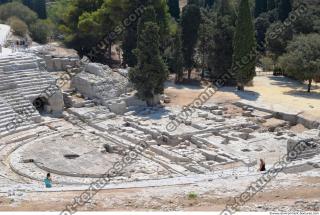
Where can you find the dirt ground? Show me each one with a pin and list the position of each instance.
(169, 198)
(266, 89)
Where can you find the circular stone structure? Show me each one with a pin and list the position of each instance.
(79, 157)
(76, 154)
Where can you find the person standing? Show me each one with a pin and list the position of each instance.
(48, 181)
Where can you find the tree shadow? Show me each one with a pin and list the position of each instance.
(282, 81)
(303, 94)
(185, 84)
(246, 95)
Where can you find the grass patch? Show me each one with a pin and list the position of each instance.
(192, 195)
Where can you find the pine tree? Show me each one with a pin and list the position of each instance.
(285, 7)
(190, 22)
(174, 8)
(149, 75)
(261, 6)
(178, 57)
(244, 55)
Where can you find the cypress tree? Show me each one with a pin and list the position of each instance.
(129, 42)
(220, 56)
(190, 22)
(4, 1)
(39, 6)
(178, 57)
(174, 8)
(209, 3)
(244, 47)
(149, 75)
(271, 4)
(285, 7)
(261, 6)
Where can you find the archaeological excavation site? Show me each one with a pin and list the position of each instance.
(78, 120)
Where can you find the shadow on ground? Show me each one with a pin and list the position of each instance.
(303, 94)
(291, 83)
(246, 95)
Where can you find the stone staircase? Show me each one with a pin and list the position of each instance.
(23, 78)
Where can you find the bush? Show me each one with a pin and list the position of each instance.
(41, 31)
(19, 27)
(18, 10)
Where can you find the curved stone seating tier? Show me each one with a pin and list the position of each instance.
(22, 80)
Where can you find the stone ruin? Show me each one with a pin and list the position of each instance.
(101, 121)
(24, 87)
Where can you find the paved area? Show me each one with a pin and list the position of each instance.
(280, 92)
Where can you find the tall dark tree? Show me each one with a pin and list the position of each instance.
(130, 35)
(262, 24)
(205, 39)
(190, 23)
(261, 6)
(39, 6)
(271, 4)
(149, 75)
(209, 3)
(174, 8)
(28, 3)
(178, 57)
(4, 1)
(244, 56)
(285, 7)
(220, 57)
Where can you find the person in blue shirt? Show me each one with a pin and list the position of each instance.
(48, 181)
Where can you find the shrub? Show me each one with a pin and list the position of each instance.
(19, 27)
(19, 10)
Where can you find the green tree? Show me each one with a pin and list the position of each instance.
(209, 3)
(149, 75)
(4, 1)
(262, 24)
(277, 38)
(285, 7)
(302, 59)
(244, 56)
(205, 39)
(220, 57)
(261, 6)
(129, 42)
(174, 8)
(39, 6)
(178, 57)
(271, 4)
(41, 31)
(190, 23)
(28, 3)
